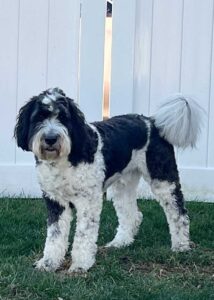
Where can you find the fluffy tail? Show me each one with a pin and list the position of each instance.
(179, 121)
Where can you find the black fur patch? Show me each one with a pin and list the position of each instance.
(37, 160)
(161, 164)
(71, 205)
(121, 135)
(21, 132)
(160, 158)
(179, 199)
(54, 210)
(84, 140)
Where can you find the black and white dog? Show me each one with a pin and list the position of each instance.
(77, 161)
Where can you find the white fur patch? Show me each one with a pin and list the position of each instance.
(46, 100)
(54, 94)
(124, 198)
(180, 120)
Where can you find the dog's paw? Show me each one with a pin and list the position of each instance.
(113, 244)
(118, 243)
(45, 264)
(181, 247)
(77, 270)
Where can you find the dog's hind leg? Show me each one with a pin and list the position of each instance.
(165, 184)
(124, 199)
(170, 198)
(56, 245)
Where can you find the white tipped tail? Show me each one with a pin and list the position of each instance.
(179, 121)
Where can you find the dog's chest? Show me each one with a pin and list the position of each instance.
(63, 182)
(58, 181)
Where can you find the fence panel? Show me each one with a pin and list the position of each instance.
(143, 55)
(92, 58)
(195, 69)
(123, 36)
(166, 49)
(210, 146)
(9, 10)
(63, 46)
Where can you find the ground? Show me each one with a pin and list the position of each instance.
(145, 270)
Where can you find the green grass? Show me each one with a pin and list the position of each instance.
(145, 270)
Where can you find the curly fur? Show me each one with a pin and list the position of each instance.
(77, 161)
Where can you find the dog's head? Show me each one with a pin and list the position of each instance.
(51, 126)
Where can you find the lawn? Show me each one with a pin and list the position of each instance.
(145, 270)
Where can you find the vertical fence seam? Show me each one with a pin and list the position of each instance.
(210, 87)
(17, 67)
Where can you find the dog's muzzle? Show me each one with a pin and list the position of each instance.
(50, 145)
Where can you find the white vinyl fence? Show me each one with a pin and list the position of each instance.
(159, 48)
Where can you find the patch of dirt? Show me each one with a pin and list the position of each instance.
(164, 270)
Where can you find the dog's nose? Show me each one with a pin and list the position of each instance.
(51, 139)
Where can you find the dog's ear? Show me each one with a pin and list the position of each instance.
(77, 130)
(23, 124)
(76, 115)
(84, 140)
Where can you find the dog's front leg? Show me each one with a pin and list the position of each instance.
(85, 240)
(56, 245)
